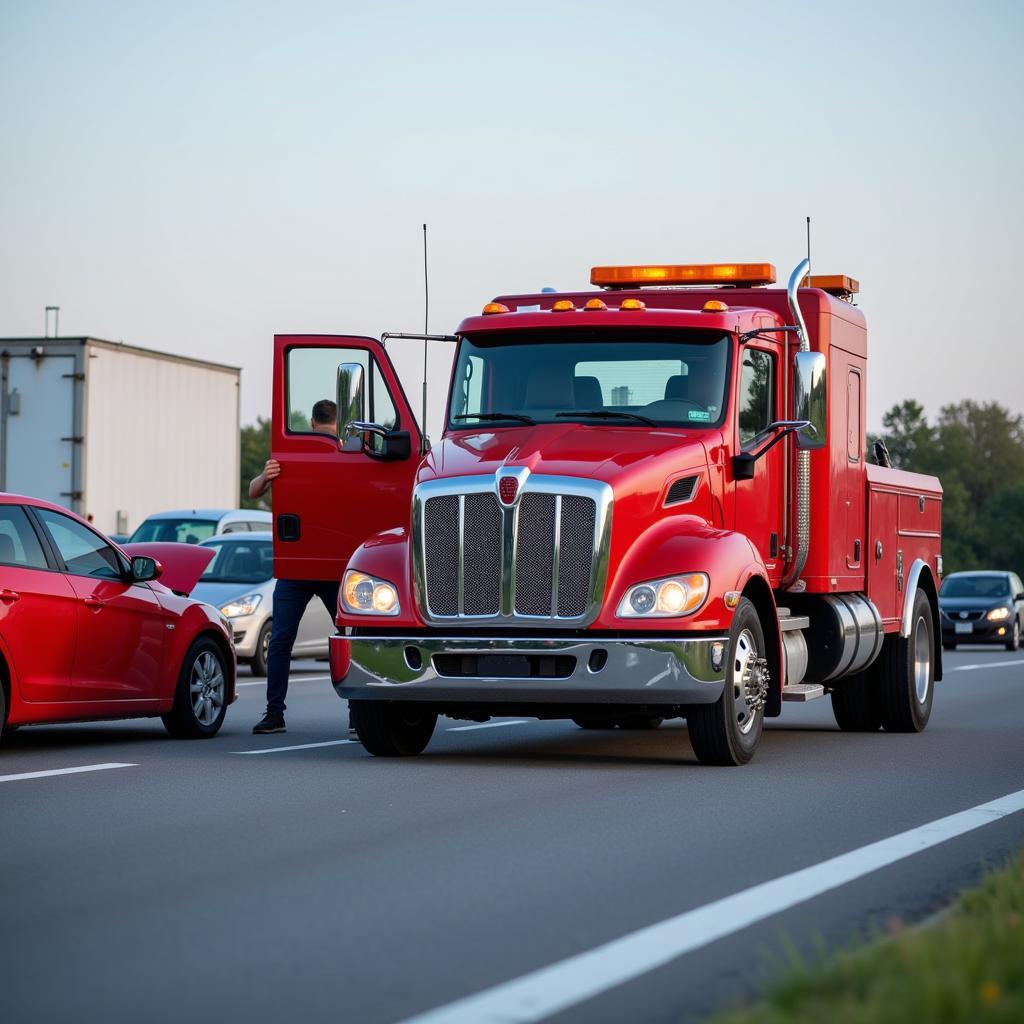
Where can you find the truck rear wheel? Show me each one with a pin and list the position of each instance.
(392, 730)
(906, 672)
(855, 702)
(728, 731)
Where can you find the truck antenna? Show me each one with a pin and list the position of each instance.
(808, 250)
(425, 446)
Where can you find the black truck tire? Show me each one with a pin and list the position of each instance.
(906, 672)
(855, 703)
(387, 729)
(728, 731)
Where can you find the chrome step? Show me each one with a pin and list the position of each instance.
(788, 622)
(803, 692)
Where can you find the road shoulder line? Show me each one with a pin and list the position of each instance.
(546, 991)
(65, 771)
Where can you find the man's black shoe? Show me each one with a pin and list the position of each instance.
(269, 723)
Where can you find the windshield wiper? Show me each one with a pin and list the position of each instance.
(608, 414)
(497, 416)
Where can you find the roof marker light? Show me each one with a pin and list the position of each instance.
(750, 274)
(634, 304)
(495, 307)
(593, 304)
(563, 306)
(714, 306)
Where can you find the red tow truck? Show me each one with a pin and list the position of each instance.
(651, 500)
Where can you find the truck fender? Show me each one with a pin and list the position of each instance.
(920, 578)
(683, 544)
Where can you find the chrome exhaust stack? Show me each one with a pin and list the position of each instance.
(802, 512)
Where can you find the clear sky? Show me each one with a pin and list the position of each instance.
(195, 177)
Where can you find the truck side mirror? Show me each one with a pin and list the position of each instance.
(351, 404)
(810, 399)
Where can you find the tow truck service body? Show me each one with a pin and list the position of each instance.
(647, 503)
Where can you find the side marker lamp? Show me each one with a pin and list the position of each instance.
(594, 304)
(664, 598)
(633, 304)
(563, 306)
(714, 306)
(495, 307)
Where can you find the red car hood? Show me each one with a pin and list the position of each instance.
(183, 564)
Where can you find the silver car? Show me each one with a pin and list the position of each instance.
(240, 582)
(190, 526)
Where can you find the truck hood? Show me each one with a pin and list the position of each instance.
(182, 564)
(637, 463)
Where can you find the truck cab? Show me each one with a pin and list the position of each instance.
(650, 501)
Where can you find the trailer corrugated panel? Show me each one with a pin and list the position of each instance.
(160, 432)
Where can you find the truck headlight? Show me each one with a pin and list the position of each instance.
(665, 598)
(241, 606)
(998, 614)
(367, 595)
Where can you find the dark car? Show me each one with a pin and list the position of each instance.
(982, 608)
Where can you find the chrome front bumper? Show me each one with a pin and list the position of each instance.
(659, 670)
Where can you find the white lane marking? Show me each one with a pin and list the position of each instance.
(295, 679)
(65, 771)
(987, 664)
(297, 746)
(485, 725)
(548, 990)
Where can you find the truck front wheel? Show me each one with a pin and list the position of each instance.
(906, 672)
(728, 731)
(392, 730)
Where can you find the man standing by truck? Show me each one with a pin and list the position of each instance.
(291, 596)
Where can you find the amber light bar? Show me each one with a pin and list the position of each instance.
(689, 273)
(834, 284)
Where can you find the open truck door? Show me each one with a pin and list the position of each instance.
(337, 489)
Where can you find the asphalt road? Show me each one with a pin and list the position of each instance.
(277, 878)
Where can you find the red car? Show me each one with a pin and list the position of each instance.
(87, 631)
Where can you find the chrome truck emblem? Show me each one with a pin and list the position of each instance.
(508, 487)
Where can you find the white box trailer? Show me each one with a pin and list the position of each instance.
(117, 432)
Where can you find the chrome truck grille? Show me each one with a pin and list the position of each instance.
(543, 556)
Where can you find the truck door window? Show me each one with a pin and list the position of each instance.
(757, 393)
(853, 433)
(311, 376)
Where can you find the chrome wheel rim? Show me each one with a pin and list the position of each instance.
(922, 660)
(207, 688)
(748, 683)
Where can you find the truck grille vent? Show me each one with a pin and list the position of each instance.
(482, 543)
(550, 573)
(441, 540)
(681, 490)
(576, 555)
(535, 554)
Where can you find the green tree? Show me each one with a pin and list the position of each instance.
(255, 452)
(977, 450)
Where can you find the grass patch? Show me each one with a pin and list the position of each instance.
(968, 967)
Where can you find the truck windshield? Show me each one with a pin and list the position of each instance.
(628, 378)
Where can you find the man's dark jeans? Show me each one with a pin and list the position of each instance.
(290, 600)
